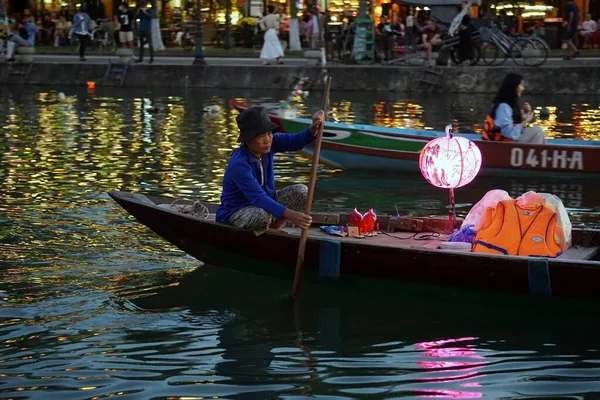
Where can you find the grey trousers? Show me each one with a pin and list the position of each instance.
(258, 220)
(533, 135)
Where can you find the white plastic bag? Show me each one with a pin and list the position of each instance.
(476, 216)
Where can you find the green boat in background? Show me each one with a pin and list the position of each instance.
(358, 146)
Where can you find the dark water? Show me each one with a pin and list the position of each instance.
(95, 306)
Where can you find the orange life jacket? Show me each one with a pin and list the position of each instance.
(515, 230)
(492, 132)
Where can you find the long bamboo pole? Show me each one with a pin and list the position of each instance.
(311, 192)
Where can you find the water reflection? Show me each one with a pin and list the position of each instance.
(94, 305)
(451, 368)
(335, 342)
(408, 196)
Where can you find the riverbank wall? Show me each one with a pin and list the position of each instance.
(551, 79)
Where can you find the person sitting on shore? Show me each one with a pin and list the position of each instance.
(588, 30)
(507, 121)
(249, 200)
(431, 38)
(17, 37)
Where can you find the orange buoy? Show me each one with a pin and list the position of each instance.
(91, 85)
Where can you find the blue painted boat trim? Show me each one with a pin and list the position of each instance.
(330, 258)
(432, 133)
(355, 161)
(538, 272)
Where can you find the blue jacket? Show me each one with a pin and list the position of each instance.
(31, 30)
(241, 183)
(81, 24)
(145, 20)
(504, 121)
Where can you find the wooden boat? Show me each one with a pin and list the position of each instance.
(355, 146)
(404, 255)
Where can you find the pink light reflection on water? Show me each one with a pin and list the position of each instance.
(459, 370)
(437, 343)
(449, 394)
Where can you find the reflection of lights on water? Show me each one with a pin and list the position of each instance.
(549, 123)
(448, 394)
(400, 114)
(586, 121)
(342, 112)
(452, 368)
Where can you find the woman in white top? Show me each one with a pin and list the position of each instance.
(271, 49)
(588, 28)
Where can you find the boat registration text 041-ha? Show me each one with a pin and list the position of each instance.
(555, 159)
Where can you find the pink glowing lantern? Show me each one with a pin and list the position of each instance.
(450, 162)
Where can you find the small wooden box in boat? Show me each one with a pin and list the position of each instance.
(402, 223)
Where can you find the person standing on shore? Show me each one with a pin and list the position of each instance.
(410, 30)
(271, 49)
(316, 28)
(126, 31)
(145, 29)
(571, 23)
(465, 30)
(81, 28)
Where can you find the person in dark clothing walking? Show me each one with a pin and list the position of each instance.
(465, 43)
(144, 17)
(571, 23)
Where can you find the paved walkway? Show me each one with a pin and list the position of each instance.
(247, 61)
(161, 60)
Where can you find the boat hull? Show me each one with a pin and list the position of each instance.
(350, 146)
(275, 254)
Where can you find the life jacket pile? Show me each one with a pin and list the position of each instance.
(512, 229)
(492, 132)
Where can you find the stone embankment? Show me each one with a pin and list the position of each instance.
(548, 79)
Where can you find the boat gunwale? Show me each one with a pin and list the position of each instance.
(129, 197)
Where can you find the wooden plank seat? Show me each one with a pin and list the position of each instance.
(580, 253)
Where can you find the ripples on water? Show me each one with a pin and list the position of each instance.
(92, 305)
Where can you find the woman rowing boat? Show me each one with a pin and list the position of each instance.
(249, 200)
(507, 121)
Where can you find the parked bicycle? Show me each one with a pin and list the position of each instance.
(187, 38)
(497, 47)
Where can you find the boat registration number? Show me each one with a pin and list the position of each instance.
(555, 159)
